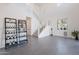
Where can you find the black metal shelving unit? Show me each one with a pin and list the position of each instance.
(15, 32)
(10, 32)
(22, 32)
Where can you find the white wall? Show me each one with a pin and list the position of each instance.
(17, 11)
(45, 32)
(52, 12)
(34, 25)
(35, 20)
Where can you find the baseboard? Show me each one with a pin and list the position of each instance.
(64, 37)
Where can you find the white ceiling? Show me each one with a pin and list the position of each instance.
(48, 11)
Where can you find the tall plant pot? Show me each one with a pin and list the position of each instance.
(76, 38)
(75, 34)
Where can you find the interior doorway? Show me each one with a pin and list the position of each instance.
(28, 20)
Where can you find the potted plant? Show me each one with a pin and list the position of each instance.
(51, 31)
(75, 34)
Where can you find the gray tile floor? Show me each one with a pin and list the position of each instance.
(45, 46)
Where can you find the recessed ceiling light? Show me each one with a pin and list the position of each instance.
(58, 4)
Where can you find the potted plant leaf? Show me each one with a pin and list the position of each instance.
(75, 34)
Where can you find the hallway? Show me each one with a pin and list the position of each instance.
(46, 46)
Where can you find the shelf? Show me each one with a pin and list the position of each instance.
(22, 31)
(23, 40)
(12, 43)
(23, 36)
(10, 39)
(11, 27)
(11, 22)
(10, 46)
(11, 33)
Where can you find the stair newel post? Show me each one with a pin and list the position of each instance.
(38, 29)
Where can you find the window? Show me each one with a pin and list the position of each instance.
(62, 24)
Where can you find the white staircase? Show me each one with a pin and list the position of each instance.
(38, 31)
(42, 26)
